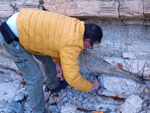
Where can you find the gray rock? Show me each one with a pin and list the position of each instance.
(65, 99)
(113, 86)
(20, 96)
(53, 109)
(103, 107)
(68, 108)
(81, 98)
(148, 111)
(27, 107)
(2, 105)
(46, 95)
(27, 111)
(90, 106)
(2, 111)
(15, 107)
(146, 103)
(85, 100)
(143, 111)
(52, 99)
(8, 91)
(133, 103)
(76, 102)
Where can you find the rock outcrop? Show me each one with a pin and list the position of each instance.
(121, 63)
(110, 9)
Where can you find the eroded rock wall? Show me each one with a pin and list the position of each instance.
(102, 9)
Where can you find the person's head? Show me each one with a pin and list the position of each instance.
(92, 35)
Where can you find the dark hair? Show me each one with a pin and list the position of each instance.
(93, 32)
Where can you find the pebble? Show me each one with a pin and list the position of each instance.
(52, 99)
(27, 105)
(144, 111)
(53, 108)
(2, 106)
(76, 102)
(85, 100)
(20, 96)
(81, 98)
(65, 99)
(46, 95)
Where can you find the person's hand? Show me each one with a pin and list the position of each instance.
(58, 67)
(59, 70)
(95, 85)
(60, 76)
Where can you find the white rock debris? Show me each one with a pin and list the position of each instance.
(118, 87)
(132, 104)
(14, 97)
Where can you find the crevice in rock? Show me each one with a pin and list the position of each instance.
(15, 9)
(41, 5)
(143, 9)
(6, 67)
(119, 10)
(115, 98)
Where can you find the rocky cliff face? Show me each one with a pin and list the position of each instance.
(121, 63)
(103, 9)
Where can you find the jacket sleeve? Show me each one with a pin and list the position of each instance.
(55, 59)
(69, 62)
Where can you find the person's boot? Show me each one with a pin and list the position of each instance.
(61, 85)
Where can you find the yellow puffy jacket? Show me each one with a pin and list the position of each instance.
(61, 37)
